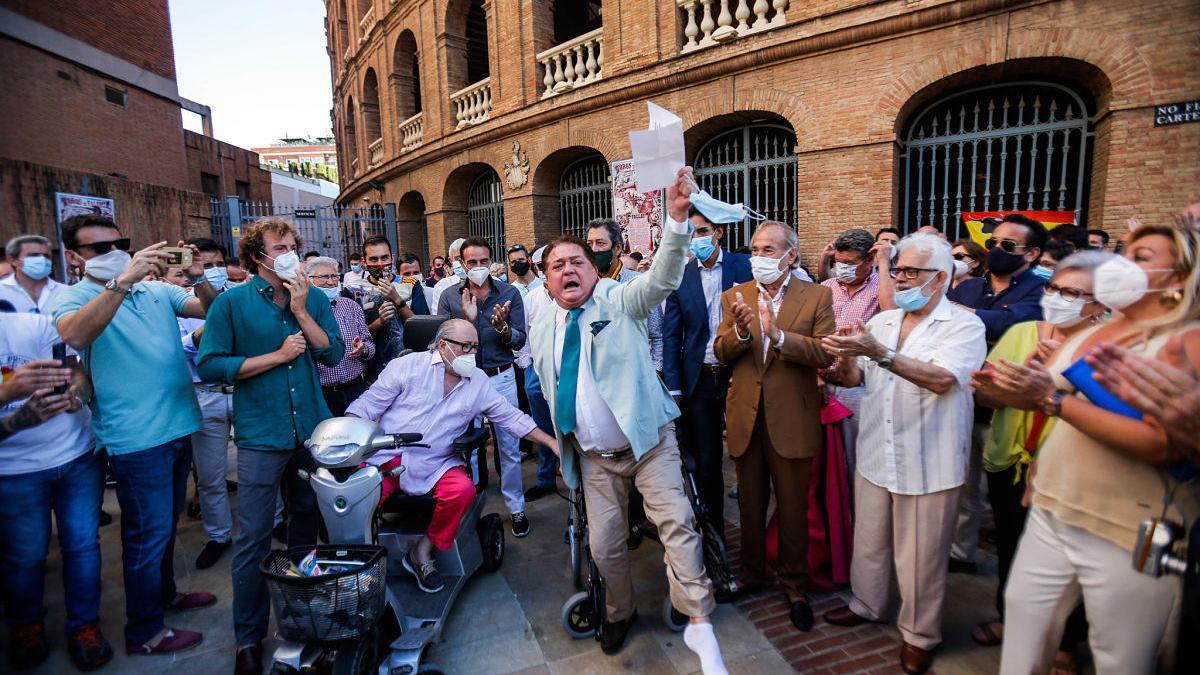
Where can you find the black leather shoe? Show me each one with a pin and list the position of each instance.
(613, 634)
(249, 660)
(211, 553)
(802, 615)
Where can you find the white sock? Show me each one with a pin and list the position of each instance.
(700, 638)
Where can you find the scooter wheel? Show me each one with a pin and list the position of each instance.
(577, 616)
(491, 541)
(674, 619)
(356, 659)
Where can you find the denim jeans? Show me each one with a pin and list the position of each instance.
(152, 492)
(508, 448)
(539, 410)
(73, 491)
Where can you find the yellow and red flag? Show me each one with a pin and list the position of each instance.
(981, 223)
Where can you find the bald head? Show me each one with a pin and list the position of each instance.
(459, 330)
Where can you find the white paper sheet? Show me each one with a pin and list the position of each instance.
(658, 151)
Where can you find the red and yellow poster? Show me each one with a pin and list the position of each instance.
(981, 223)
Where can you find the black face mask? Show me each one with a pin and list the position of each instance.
(519, 268)
(1002, 262)
(604, 260)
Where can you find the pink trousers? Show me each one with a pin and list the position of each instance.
(454, 492)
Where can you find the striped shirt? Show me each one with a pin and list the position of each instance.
(353, 324)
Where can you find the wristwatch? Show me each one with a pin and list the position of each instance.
(1052, 404)
(888, 357)
(113, 286)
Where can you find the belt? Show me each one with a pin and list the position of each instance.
(492, 372)
(221, 388)
(611, 454)
(714, 368)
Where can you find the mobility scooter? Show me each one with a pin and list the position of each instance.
(368, 615)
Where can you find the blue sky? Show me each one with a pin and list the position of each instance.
(260, 64)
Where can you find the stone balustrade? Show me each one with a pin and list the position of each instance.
(375, 152)
(472, 104)
(366, 24)
(712, 22)
(572, 64)
(412, 131)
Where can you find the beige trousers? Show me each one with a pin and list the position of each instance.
(659, 477)
(911, 535)
(1128, 613)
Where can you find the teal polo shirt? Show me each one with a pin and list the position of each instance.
(277, 409)
(143, 390)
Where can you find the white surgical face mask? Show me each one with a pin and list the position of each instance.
(766, 270)
(286, 265)
(845, 272)
(1062, 312)
(1120, 282)
(478, 275)
(463, 365)
(108, 266)
(961, 268)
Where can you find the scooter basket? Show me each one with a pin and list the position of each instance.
(343, 605)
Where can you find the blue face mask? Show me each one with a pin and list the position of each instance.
(716, 211)
(1043, 273)
(332, 293)
(702, 247)
(217, 276)
(36, 267)
(356, 268)
(913, 299)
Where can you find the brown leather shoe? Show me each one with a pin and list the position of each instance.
(844, 616)
(915, 660)
(249, 660)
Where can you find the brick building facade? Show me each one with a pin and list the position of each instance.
(90, 106)
(824, 113)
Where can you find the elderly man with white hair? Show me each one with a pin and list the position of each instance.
(459, 276)
(915, 363)
(346, 381)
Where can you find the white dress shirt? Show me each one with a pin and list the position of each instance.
(915, 442)
(710, 279)
(596, 427)
(11, 291)
(776, 303)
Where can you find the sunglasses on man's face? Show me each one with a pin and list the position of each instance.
(1007, 245)
(102, 247)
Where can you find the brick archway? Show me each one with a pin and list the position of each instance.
(791, 108)
(1126, 70)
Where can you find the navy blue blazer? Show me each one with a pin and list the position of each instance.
(685, 321)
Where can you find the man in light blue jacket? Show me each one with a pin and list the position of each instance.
(614, 419)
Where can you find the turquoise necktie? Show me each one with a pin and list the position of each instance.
(568, 374)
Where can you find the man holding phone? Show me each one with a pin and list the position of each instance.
(384, 300)
(47, 463)
(124, 329)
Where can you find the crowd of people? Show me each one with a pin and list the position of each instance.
(869, 407)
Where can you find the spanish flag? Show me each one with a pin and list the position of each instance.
(981, 223)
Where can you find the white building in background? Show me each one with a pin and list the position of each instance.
(291, 189)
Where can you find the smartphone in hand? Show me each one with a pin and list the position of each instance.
(59, 353)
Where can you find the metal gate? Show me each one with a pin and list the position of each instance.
(1016, 146)
(485, 212)
(334, 231)
(755, 165)
(584, 193)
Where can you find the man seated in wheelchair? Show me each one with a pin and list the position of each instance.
(437, 394)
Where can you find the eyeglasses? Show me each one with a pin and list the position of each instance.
(1007, 245)
(516, 247)
(466, 347)
(102, 247)
(1068, 294)
(910, 273)
(323, 277)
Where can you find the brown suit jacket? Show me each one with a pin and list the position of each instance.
(787, 381)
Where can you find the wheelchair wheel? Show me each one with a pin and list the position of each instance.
(578, 616)
(674, 619)
(491, 540)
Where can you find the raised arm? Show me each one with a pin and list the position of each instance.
(640, 296)
(81, 327)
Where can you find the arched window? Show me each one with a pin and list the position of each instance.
(755, 165)
(1007, 147)
(370, 107)
(485, 211)
(350, 136)
(406, 77)
(477, 43)
(343, 37)
(584, 193)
